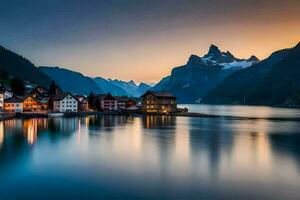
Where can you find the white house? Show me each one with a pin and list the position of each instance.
(13, 104)
(65, 102)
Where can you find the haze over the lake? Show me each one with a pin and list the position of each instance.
(142, 39)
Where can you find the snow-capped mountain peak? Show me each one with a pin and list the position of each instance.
(226, 59)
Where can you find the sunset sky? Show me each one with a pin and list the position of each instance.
(143, 40)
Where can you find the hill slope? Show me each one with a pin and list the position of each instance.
(131, 87)
(192, 81)
(273, 81)
(107, 87)
(18, 66)
(71, 81)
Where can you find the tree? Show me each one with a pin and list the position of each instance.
(91, 100)
(4, 75)
(50, 103)
(97, 105)
(17, 86)
(53, 88)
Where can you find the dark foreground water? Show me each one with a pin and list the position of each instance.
(154, 157)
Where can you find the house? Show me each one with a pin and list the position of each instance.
(7, 91)
(123, 102)
(2, 94)
(43, 103)
(161, 102)
(42, 96)
(107, 102)
(83, 103)
(65, 102)
(13, 104)
(30, 103)
(39, 92)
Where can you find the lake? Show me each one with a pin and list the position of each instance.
(152, 157)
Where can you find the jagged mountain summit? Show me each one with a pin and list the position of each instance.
(273, 81)
(226, 59)
(131, 88)
(193, 80)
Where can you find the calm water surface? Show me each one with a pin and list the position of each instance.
(244, 111)
(154, 157)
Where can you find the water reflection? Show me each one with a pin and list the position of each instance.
(30, 130)
(1, 133)
(244, 111)
(192, 156)
(161, 122)
(107, 122)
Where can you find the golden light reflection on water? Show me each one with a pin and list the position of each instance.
(30, 129)
(181, 155)
(1, 133)
(128, 141)
(252, 150)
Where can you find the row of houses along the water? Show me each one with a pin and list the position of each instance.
(39, 100)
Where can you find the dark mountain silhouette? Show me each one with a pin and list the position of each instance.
(273, 81)
(107, 87)
(71, 81)
(192, 81)
(18, 66)
(77, 83)
(281, 85)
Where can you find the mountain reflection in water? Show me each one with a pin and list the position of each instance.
(150, 156)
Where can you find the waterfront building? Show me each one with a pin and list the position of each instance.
(83, 103)
(13, 104)
(30, 103)
(65, 102)
(2, 93)
(123, 102)
(42, 96)
(43, 103)
(107, 102)
(161, 102)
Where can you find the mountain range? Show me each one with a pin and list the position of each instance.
(77, 83)
(15, 65)
(273, 81)
(191, 82)
(72, 81)
(215, 78)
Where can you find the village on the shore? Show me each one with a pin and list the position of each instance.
(53, 101)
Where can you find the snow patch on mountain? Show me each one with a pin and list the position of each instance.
(237, 64)
(131, 87)
(226, 59)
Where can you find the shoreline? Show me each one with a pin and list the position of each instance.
(9, 116)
